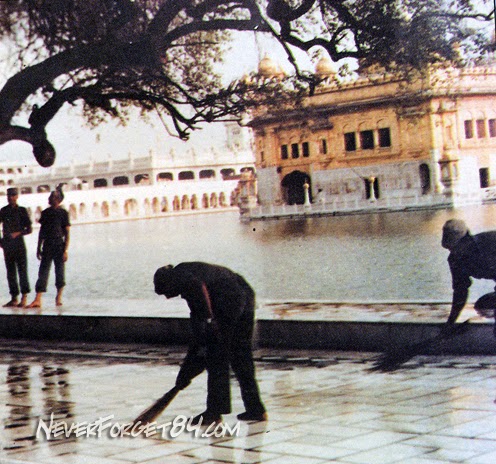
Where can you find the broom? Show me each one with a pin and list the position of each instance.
(157, 408)
(189, 370)
(392, 360)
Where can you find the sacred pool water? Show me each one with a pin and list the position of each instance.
(370, 257)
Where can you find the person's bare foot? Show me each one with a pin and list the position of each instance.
(58, 298)
(34, 304)
(13, 303)
(24, 301)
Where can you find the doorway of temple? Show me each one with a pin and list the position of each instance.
(293, 187)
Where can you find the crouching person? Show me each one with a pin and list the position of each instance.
(471, 256)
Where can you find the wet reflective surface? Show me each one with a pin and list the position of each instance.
(33, 391)
(323, 407)
(391, 256)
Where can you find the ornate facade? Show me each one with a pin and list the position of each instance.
(380, 142)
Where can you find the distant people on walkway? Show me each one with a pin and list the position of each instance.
(53, 243)
(470, 256)
(16, 223)
(222, 306)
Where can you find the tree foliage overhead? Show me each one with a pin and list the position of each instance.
(391, 33)
(162, 55)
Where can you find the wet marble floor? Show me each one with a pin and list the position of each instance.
(394, 312)
(323, 407)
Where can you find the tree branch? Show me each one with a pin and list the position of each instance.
(26, 82)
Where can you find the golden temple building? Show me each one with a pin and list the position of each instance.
(379, 141)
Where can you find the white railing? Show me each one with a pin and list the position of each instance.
(346, 206)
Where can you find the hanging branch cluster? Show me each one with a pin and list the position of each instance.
(401, 35)
(161, 55)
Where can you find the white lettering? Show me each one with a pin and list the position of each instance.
(180, 424)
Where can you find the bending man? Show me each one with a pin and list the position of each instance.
(222, 306)
(470, 256)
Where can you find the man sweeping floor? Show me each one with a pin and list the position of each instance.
(222, 306)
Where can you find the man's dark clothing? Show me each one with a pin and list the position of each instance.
(54, 222)
(222, 337)
(473, 256)
(15, 219)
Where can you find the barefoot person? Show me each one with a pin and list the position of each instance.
(16, 224)
(53, 243)
(222, 306)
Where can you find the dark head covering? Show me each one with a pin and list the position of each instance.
(165, 281)
(12, 191)
(453, 231)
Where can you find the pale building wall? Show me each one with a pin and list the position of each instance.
(124, 203)
(395, 179)
(268, 186)
(468, 168)
(426, 128)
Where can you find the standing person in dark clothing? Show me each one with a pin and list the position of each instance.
(53, 243)
(222, 306)
(470, 256)
(16, 224)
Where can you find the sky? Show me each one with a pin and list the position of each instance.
(76, 142)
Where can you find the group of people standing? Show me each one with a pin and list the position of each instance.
(53, 243)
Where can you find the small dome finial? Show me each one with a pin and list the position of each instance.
(325, 67)
(269, 68)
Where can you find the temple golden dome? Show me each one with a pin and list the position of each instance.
(269, 68)
(325, 67)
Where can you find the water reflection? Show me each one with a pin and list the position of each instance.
(56, 392)
(27, 384)
(387, 257)
(18, 423)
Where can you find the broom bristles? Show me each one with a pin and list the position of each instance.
(157, 408)
(392, 360)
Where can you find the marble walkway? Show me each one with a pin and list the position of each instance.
(323, 407)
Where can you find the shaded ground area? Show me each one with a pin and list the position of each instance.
(323, 407)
